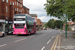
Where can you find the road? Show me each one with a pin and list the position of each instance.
(42, 40)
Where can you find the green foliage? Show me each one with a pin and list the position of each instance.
(59, 7)
(45, 25)
(52, 23)
(58, 23)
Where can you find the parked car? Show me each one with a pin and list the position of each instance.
(10, 31)
(2, 34)
(45, 29)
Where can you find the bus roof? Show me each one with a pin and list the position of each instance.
(22, 15)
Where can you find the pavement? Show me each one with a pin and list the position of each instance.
(62, 43)
(67, 43)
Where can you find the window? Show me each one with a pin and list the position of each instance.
(6, 9)
(19, 25)
(21, 5)
(13, 3)
(17, 9)
(17, 3)
(10, 3)
(3, 0)
(27, 11)
(7, 1)
(21, 10)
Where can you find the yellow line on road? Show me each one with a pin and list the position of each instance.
(55, 42)
(59, 42)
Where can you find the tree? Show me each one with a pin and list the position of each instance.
(58, 23)
(52, 23)
(58, 7)
(45, 25)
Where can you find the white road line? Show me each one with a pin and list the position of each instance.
(43, 48)
(20, 40)
(49, 41)
(53, 37)
(3, 45)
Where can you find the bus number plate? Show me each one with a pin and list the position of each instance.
(19, 33)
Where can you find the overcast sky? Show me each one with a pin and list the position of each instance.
(37, 7)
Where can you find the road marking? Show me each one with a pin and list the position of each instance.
(3, 45)
(43, 48)
(53, 37)
(54, 42)
(20, 40)
(48, 41)
(59, 42)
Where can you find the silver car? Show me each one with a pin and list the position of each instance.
(2, 34)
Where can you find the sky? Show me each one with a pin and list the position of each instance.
(37, 7)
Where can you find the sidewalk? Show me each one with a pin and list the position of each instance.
(69, 42)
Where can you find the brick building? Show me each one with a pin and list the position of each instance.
(8, 8)
(40, 24)
(25, 10)
(38, 21)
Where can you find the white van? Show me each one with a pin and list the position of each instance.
(2, 34)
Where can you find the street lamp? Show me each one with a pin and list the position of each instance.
(66, 22)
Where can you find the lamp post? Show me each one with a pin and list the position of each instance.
(66, 26)
(66, 22)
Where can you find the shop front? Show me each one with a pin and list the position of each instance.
(8, 26)
(2, 25)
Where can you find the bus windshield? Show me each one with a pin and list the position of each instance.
(19, 25)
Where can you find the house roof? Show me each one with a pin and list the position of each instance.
(19, 1)
(25, 7)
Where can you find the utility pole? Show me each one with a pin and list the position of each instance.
(66, 22)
